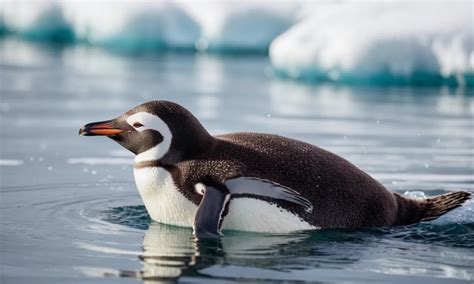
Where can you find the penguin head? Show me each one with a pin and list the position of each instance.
(155, 131)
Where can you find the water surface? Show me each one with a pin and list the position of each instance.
(69, 210)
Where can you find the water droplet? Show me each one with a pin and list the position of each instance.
(427, 165)
(394, 182)
(345, 137)
(50, 168)
(378, 121)
(94, 172)
(269, 115)
(419, 195)
(40, 159)
(439, 140)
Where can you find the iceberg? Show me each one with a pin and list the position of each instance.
(393, 42)
(132, 25)
(41, 21)
(123, 25)
(241, 26)
(228, 26)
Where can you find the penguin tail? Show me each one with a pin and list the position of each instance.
(441, 204)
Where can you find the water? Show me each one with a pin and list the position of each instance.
(69, 210)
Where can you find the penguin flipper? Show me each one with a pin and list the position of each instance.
(267, 188)
(210, 214)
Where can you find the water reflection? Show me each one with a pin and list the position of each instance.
(167, 253)
(170, 253)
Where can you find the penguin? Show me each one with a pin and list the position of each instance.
(252, 181)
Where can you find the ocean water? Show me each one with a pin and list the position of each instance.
(69, 210)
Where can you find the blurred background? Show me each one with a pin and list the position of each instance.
(387, 85)
(397, 42)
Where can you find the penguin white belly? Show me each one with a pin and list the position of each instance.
(167, 205)
(254, 215)
(162, 200)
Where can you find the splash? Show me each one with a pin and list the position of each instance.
(461, 215)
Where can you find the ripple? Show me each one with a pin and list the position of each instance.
(132, 216)
(11, 163)
(100, 161)
(106, 223)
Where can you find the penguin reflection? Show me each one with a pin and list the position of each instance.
(170, 253)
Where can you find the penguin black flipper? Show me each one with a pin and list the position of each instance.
(266, 188)
(209, 216)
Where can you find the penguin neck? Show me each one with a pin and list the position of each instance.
(150, 164)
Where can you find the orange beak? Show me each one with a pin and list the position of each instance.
(100, 128)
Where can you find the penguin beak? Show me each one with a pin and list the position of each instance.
(100, 128)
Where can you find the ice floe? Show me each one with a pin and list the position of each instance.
(380, 42)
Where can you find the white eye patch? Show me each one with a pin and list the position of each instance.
(142, 121)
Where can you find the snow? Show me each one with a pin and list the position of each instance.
(394, 42)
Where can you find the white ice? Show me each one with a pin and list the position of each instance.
(214, 25)
(366, 40)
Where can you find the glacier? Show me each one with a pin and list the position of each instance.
(394, 42)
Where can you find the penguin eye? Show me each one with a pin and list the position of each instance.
(137, 124)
